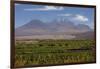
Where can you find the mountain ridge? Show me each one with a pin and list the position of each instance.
(61, 27)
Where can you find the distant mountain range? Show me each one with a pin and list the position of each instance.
(56, 29)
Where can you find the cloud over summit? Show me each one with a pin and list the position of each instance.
(76, 17)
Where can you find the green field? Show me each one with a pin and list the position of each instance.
(41, 52)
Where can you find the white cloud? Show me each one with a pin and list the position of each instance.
(80, 18)
(76, 17)
(45, 8)
(65, 15)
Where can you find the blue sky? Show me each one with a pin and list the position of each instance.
(26, 12)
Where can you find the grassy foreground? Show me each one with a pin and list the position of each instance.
(41, 52)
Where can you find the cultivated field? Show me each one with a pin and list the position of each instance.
(42, 52)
